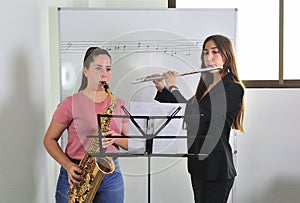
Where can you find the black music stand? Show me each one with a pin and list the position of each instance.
(149, 140)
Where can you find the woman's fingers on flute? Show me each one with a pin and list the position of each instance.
(170, 77)
(159, 83)
(170, 73)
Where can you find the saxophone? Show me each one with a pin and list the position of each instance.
(94, 168)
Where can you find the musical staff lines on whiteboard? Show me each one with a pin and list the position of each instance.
(171, 47)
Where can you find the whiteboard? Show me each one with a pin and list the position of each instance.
(141, 43)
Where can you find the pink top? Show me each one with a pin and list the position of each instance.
(80, 113)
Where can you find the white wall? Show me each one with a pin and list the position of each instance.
(27, 173)
(268, 163)
(268, 169)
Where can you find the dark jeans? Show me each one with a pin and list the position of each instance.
(211, 191)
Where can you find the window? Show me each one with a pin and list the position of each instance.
(291, 41)
(266, 50)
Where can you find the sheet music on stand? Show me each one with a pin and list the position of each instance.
(150, 126)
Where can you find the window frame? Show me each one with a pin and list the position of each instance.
(280, 83)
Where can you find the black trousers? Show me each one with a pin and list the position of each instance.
(211, 191)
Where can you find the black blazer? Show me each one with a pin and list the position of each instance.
(209, 123)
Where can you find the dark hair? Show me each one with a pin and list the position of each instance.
(89, 57)
(226, 50)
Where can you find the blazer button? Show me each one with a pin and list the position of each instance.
(202, 114)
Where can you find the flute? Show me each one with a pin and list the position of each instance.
(159, 77)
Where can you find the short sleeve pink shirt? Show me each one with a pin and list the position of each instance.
(80, 113)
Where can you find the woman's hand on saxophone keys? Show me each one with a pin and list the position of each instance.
(74, 174)
(107, 141)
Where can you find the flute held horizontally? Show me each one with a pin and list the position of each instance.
(152, 78)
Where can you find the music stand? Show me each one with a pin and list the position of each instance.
(148, 152)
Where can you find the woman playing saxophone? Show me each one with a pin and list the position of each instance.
(78, 114)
